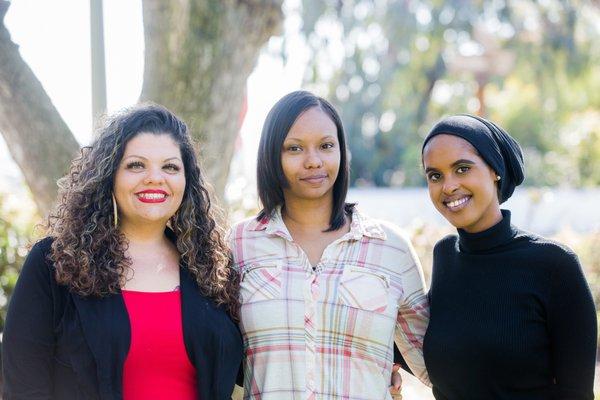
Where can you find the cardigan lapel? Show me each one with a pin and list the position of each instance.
(106, 329)
(194, 309)
(212, 340)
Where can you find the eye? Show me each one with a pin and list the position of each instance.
(434, 176)
(463, 169)
(294, 148)
(328, 145)
(172, 167)
(135, 165)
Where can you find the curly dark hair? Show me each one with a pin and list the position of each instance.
(88, 251)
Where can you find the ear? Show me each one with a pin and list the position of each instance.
(497, 179)
(494, 175)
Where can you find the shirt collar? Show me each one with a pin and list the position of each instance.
(359, 227)
(272, 225)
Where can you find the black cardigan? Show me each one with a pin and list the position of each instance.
(58, 345)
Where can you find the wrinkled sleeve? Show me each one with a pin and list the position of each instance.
(413, 315)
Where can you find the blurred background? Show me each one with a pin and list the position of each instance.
(391, 67)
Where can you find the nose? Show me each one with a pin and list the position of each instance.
(313, 160)
(450, 186)
(154, 176)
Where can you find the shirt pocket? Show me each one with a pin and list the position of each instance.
(261, 281)
(364, 289)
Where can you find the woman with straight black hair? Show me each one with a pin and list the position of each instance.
(271, 179)
(325, 290)
(512, 316)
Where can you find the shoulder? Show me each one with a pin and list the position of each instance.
(40, 253)
(546, 249)
(391, 243)
(42, 246)
(38, 269)
(245, 227)
(250, 238)
(445, 244)
(387, 231)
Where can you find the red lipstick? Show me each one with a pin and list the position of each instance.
(152, 196)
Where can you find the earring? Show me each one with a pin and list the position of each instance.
(115, 213)
(498, 177)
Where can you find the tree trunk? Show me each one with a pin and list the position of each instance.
(37, 137)
(198, 57)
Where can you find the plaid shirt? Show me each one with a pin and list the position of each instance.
(328, 332)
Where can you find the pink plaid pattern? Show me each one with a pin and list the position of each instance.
(328, 332)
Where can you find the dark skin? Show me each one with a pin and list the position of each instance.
(310, 160)
(462, 187)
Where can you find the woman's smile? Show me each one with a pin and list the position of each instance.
(152, 196)
(457, 204)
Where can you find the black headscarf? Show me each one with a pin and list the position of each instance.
(497, 148)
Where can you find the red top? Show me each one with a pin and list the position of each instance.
(157, 365)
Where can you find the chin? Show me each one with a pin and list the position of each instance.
(312, 194)
(154, 218)
(457, 221)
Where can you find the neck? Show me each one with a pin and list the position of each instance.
(308, 214)
(494, 217)
(144, 234)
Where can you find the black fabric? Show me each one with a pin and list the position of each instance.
(497, 148)
(512, 317)
(398, 359)
(57, 345)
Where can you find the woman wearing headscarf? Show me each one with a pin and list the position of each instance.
(512, 316)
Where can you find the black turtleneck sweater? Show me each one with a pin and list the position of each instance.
(512, 317)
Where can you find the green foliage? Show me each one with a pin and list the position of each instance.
(13, 248)
(394, 67)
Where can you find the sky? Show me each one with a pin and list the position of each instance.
(54, 39)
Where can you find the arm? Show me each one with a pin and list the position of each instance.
(239, 380)
(413, 316)
(573, 330)
(28, 339)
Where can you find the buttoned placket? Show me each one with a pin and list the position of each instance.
(311, 294)
(311, 290)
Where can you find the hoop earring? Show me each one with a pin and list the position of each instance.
(115, 211)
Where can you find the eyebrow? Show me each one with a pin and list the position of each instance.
(454, 164)
(144, 158)
(328, 137)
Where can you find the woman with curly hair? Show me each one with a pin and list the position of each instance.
(130, 296)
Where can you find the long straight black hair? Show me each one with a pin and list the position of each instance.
(270, 177)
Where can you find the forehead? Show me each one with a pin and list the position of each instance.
(313, 122)
(445, 149)
(152, 145)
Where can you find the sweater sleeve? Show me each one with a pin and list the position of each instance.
(28, 339)
(573, 329)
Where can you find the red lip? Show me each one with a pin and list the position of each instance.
(153, 191)
(152, 200)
